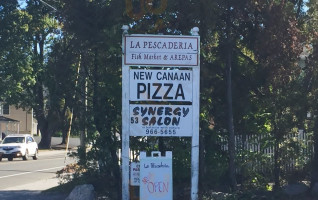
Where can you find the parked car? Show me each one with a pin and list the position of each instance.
(18, 145)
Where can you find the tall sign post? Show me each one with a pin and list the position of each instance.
(160, 93)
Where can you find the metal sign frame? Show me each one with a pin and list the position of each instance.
(178, 50)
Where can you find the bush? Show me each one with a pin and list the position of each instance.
(57, 134)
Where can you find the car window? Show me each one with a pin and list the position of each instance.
(30, 139)
(8, 140)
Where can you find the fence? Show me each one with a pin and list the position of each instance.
(257, 151)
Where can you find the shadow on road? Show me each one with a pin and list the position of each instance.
(30, 195)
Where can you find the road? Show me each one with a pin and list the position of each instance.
(26, 179)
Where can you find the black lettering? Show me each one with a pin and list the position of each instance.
(136, 75)
(177, 111)
(179, 92)
(159, 78)
(136, 46)
(145, 121)
(136, 111)
(143, 111)
(142, 74)
(148, 75)
(168, 111)
(152, 111)
(160, 111)
(154, 96)
(160, 121)
(145, 44)
(175, 121)
(187, 76)
(185, 111)
(148, 97)
(141, 88)
(170, 76)
(170, 85)
(167, 121)
(152, 121)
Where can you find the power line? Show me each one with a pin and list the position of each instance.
(48, 5)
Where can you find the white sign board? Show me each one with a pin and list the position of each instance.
(160, 85)
(151, 108)
(134, 173)
(160, 120)
(160, 50)
(156, 176)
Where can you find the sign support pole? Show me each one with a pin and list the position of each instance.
(137, 53)
(125, 125)
(195, 136)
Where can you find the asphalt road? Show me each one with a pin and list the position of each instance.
(25, 180)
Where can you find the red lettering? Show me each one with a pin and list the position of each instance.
(151, 189)
(158, 187)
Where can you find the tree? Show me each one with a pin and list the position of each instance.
(62, 82)
(27, 64)
(42, 26)
(310, 82)
(278, 50)
(14, 51)
(94, 27)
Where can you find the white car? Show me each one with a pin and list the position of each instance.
(18, 145)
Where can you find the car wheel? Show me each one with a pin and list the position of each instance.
(36, 155)
(26, 156)
(10, 159)
(0, 158)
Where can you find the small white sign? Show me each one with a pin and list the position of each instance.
(156, 176)
(160, 85)
(134, 173)
(161, 50)
(160, 120)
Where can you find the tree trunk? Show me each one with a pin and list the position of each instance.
(64, 129)
(40, 109)
(48, 126)
(46, 139)
(64, 134)
(230, 116)
(43, 124)
(45, 142)
(64, 137)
